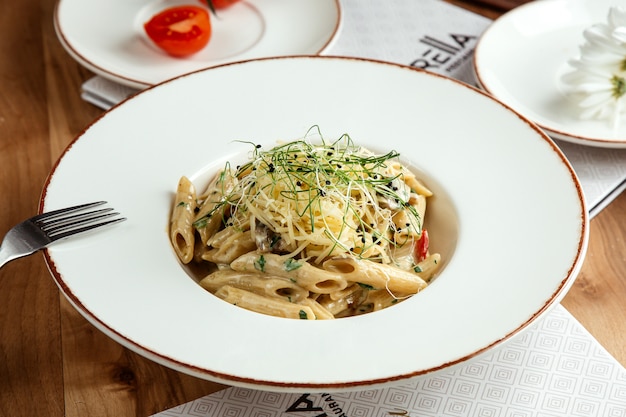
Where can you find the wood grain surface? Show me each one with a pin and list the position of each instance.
(52, 361)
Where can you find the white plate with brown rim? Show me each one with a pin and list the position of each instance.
(107, 36)
(520, 60)
(508, 218)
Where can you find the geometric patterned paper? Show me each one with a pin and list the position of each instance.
(553, 369)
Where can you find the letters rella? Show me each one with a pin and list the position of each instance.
(305, 406)
(440, 52)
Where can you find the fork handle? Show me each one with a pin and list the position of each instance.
(7, 255)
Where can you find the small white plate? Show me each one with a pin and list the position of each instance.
(512, 239)
(107, 36)
(522, 55)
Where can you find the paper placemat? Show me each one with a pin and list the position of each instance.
(555, 368)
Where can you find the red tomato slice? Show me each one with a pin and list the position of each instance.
(181, 30)
(220, 4)
(421, 247)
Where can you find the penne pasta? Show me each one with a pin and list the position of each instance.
(211, 212)
(345, 302)
(380, 299)
(264, 305)
(429, 266)
(302, 273)
(308, 231)
(319, 311)
(261, 284)
(182, 233)
(376, 275)
(234, 245)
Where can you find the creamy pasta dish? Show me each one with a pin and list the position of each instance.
(308, 231)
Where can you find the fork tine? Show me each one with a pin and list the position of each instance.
(65, 222)
(41, 230)
(60, 220)
(56, 213)
(72, 229)
(70, 223)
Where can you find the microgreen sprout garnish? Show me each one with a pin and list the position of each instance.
(332, 191)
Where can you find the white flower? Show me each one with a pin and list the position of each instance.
(598, 79)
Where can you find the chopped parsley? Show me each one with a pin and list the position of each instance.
(260, 263)
(291, 264)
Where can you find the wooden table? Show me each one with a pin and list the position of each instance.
(53, 362)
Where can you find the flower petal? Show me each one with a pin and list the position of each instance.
(617, 16)
(596, 99)
(599, 72)
(619, 34)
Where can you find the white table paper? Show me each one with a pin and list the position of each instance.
(554, 369)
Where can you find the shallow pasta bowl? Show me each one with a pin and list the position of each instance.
(508, 218)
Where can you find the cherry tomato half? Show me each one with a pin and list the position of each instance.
(421, 247)
(220, 4)
(181, 30)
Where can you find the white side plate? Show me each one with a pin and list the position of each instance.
(107, 36)
(522, 55)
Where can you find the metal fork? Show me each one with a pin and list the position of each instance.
(40, 231)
